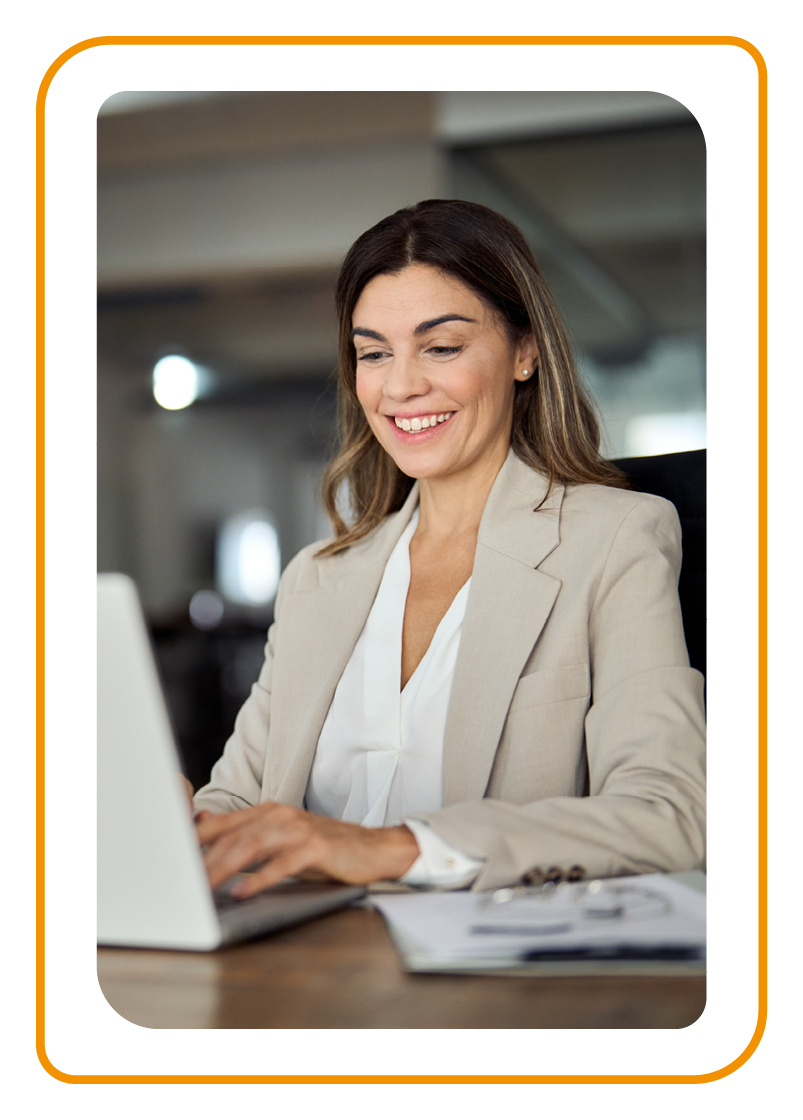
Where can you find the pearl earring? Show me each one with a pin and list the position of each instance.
(525, 373)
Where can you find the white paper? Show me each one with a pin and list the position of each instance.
(450, 926)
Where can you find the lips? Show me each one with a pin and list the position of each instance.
(421, 423)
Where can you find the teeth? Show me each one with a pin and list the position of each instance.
(420, 424)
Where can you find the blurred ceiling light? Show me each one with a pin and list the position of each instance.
(206, 610)
(248, 559)
(664, 433)
(175, 382)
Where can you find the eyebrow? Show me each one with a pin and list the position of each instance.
(422, 328)
(368, 334)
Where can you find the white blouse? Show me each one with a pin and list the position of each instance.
(380, 751)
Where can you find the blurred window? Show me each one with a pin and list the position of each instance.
(248, 559)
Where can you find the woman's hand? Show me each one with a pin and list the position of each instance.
(190, 793)
(289, 841)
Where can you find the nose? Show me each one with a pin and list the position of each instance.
(405, 379)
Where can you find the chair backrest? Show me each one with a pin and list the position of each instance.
(681, 478)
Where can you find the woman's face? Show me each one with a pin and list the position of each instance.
(436, 373)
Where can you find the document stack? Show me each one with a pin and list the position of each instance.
(634, 925)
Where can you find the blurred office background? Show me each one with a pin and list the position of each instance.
(222, 219)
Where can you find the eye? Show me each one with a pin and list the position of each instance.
(373, 356)
(439, 351)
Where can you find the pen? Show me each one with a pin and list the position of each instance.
(617, 953)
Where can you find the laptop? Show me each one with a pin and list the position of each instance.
(152, 886)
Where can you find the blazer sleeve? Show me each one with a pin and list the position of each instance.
(644, 735)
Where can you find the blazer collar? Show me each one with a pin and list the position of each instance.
(508, 525)
(508, 606)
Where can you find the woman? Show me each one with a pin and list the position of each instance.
(483, 675)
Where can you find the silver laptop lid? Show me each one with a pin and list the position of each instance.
(152, 888)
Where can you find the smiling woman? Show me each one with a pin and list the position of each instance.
(482, 677)
(483, 257)
(460, 366)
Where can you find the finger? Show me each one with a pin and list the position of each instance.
(212, 825)
(281, 867)
(215, 824)
(202, 816)
(249, 841)
(232, 853)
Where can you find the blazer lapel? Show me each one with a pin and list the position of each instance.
(508, 606)
(334, 612)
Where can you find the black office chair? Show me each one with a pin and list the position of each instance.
(681, 479)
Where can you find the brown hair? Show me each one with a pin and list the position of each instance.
(555, 428)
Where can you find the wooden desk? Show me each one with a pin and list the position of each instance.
(342, 971)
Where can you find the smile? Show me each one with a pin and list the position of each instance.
(421, 423)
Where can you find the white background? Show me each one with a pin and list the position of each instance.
(84, 1035)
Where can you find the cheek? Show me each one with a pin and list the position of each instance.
(362, 387)
(487, 376)
(485, 389)
(368, 395)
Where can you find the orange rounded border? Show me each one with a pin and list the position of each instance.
(403, 40)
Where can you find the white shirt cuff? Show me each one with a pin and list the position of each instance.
(439, 864)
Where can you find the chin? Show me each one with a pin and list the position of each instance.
(419, 468)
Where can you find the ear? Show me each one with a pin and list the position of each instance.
(526, 359)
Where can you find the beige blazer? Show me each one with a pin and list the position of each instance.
(575, 730)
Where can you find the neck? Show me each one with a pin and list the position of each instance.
(453, 506)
